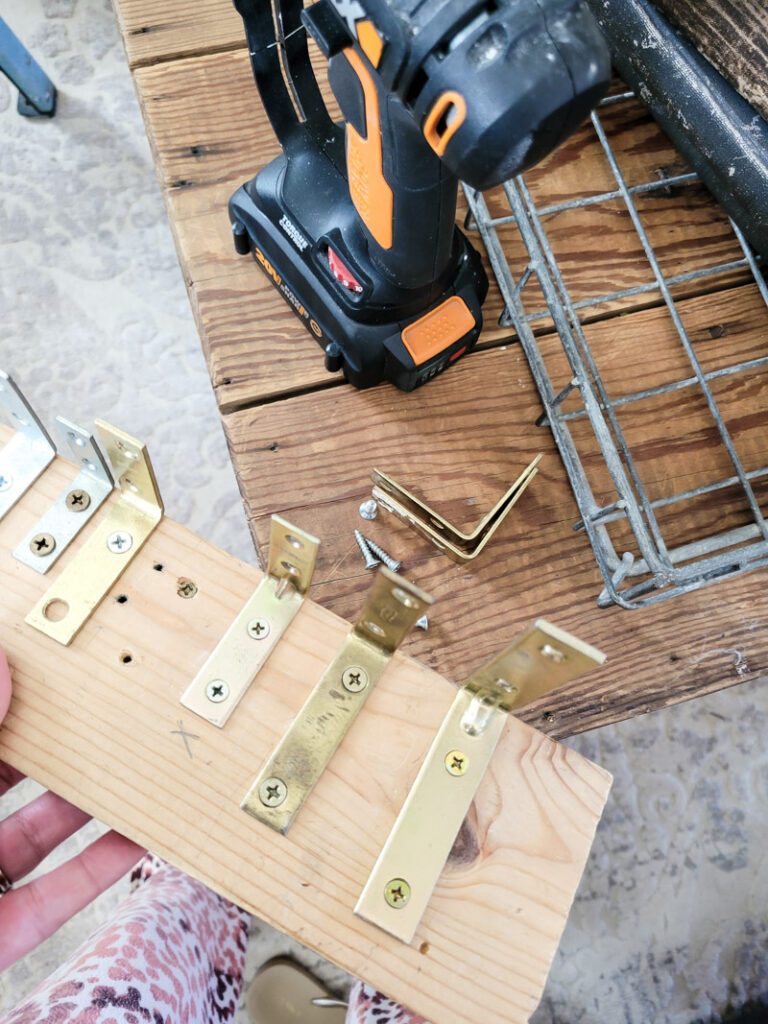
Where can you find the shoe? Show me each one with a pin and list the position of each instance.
(283, 992)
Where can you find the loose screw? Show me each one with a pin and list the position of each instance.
(370, 561)
(369, 509)
(390, 562)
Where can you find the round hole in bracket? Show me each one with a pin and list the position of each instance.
(130, 484)
(294, 541)
(22, 421)
(290, 569)
(56, 610)
(404, 597)
(375, 628)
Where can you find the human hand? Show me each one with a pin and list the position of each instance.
(30, 913)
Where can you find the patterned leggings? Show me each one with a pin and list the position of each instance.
(173, 954)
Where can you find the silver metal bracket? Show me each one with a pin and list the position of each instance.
(391, 610)
(223, 680)
(459, 546)
(411, 861)
(116, 540)
(27, 453)
(52, 534)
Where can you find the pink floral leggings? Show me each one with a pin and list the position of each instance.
(173, 954)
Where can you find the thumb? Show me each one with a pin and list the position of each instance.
(5, 685)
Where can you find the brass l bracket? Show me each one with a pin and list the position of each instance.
(68, 603)
(461, 547)
(391, 610)
(223, 680)
(411, 861)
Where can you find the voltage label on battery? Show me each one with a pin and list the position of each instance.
(295, 303)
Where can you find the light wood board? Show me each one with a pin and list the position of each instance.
(110, 735)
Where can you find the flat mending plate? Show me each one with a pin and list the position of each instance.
(100, 723)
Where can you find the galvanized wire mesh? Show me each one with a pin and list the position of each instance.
(653, 559)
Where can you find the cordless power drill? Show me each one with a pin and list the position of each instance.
(355, 223)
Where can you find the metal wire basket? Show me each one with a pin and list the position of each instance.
(650, 542)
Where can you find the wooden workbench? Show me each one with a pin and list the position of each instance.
(304, 442)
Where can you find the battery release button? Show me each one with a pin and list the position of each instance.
(342, 273)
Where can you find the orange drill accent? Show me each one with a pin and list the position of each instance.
(437, 329)
(370, 41)
(442, 122)
(368, 187)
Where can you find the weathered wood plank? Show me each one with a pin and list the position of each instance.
(159, 30)
(459, 443)
(101, 724)
(209, 134)
(733, 36)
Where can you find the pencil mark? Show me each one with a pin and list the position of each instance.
(186, 736)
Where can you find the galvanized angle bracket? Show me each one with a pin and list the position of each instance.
(390, 612)
(461, 547)
(51, 535)
(68, 603)
(221, 683)
(27, 453)
(411, 861)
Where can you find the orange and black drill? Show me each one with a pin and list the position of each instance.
(355, 222)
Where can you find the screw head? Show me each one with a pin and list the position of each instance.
(397, 892)
(186, 588)
(5, 481)
(354, 679)
(42, 544)
(119, 542)
(456, 762)
(369, 509)
(258, 628)
(77, 501)
(217, 690)
(272, 792)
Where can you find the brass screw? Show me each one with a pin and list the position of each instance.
(42, 544)
(258, 628)
(186, 588)
(456, 762)
(272, 792)
(77, 501)
(217, 691)
(354, 679)
(397, 892)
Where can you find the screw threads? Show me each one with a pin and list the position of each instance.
(362, 543)
(390, 562)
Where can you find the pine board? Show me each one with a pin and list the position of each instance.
(733, 36)
(158, 30)
(460, 442)
(108, 735)
(209, 134)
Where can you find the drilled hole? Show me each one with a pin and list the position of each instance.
(56, 610)
(121, 598)
(158, 567)
(126, 658)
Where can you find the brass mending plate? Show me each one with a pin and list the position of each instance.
(115, 541)
(411, 861)
(461, 547)
(221, 683)
(391, 610)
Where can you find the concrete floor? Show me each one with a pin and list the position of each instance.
(670, 921)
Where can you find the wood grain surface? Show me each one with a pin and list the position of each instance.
(100, 723)
(733, 36)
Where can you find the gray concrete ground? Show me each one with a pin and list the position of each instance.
(670, 921)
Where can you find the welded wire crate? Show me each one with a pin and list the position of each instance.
(612, 413)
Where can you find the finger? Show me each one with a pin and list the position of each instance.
(34, 911)
(29, 835)
(8, 777)
(5, 684)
